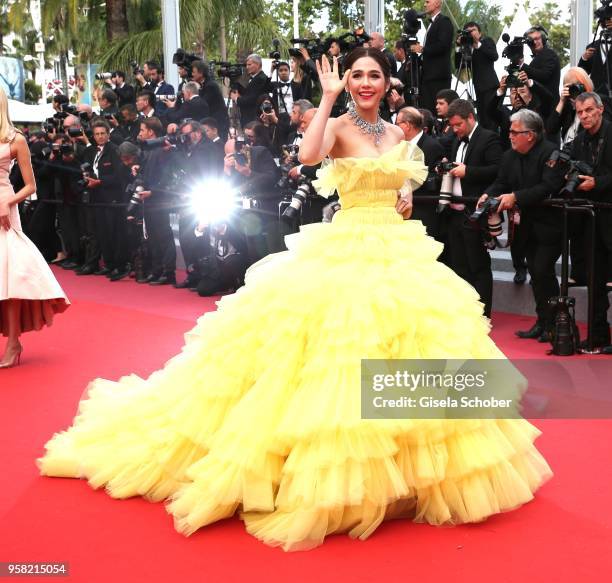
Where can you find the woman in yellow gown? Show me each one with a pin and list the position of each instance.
(260, 412)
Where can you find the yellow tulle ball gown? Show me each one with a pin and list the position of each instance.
(260, 412)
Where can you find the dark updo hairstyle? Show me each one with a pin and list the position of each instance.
(375, 54)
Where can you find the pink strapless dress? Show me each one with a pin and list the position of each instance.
(24, 273)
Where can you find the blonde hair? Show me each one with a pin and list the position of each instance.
(7, 130)
(580, 76)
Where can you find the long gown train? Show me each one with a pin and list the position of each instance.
(260, 412)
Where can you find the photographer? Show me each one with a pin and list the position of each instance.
(125, 93)
(377, 41)
(211, 93)
(130, 124)
(545, 66)
(442, 130)
(529, 95)
(594, 146)
(393, 101)
(410, 120)
(483, 54)
(145, 104)
(157, 204)
(258, 85)
(193, 106)
(304, 72)
(211, 130)
(202, 162)
(595, 60)
(254, 171)
(277, 127)
(226, 259)
(300, 107)
(301, 176)
(138, 253)
(526, 177)
(108, 102)
(106, 184)
(285, 92)
(156, 84)
(435, 55)
(563, 119)
(476, 153)
(67, 170)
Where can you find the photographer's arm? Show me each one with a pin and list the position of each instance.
(320, 136)
(488, 49)
(544, 69)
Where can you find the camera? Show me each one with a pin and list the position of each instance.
(86, 172)
(74, 132)
(230, 71)
(290, 160)
(489, 207)
(174, 140)
(136, 68)
(184, 59)
(66, 149)
(104, 76)
(297, 200)
(513, 51)
(314, 46)
(275, 53)
(67, 109)
(572, 169)
(446, 186)
(165, 98)
(266, 107)
(465, 37)
(575, 89)
(604, 12)
(134, 207)
(411, 26)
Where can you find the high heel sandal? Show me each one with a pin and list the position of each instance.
(15, 360)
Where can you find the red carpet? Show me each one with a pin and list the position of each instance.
(119, 328)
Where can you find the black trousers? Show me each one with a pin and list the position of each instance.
(42, 231)
(518, 249)
(428, 92)
(602, 259)
(543, 248)
(161, 239)
(91, 247)
(467, 256)
(189, 242)
(222, 275)
(483, 98)
(111, 231)
(71, 232)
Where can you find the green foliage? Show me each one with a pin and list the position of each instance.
(33, 91)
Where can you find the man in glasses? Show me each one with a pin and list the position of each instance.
(526, 177)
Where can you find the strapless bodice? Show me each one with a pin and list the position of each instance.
(372, 182)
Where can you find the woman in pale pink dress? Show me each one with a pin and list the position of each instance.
(29, 294)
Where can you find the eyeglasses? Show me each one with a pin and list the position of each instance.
(517, 132)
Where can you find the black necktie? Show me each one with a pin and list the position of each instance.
(466, 140)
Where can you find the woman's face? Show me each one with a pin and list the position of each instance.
(366, 83)
(292, 65)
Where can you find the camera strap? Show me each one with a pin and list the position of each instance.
(598, 152)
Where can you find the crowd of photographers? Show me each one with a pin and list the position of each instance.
(109, 183)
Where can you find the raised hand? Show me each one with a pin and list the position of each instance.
(331, 84)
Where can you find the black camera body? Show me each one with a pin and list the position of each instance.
(411, 25)
(314, 46)
(133, 210)
(489, 207)
(575, 89)
(231, 71)
(513, 51)
(184, 59)
(136, 68)
(444, 167)
(572, 169)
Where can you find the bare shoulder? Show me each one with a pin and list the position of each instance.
(18, 143)
(395, 130)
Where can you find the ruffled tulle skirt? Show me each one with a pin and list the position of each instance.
(260, 412)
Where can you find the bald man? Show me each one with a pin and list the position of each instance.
(377, 41)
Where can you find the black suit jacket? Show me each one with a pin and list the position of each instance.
(110, 172)
(247, 102)
(546, 68)
(436, 55)
(602, 166)
(532, 180)
(196, 108)
(481, 160)
(485, 77)
(126, 94)
(426, 211)
(211, 92)
(596, 68)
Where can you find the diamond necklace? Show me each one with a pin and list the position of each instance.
(376, 129)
